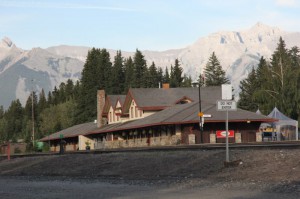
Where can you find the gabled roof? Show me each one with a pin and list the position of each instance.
(122, 99)
(73, 131)
(111, 101)
(159, 99)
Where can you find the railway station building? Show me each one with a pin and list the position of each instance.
(165, 116)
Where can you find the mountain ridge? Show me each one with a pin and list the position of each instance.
(237, 51)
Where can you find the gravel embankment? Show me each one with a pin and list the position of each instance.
(263, 173)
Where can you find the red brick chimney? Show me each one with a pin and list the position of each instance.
(100, 106)
(166, 86)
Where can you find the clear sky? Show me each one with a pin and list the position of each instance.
(131, 24)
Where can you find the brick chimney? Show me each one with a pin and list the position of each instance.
(166, 86)
(100, 106)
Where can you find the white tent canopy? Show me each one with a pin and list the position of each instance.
(286, 128)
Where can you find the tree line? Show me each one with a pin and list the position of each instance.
(73, 103)
(274, 83)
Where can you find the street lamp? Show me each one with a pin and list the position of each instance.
(200, 114)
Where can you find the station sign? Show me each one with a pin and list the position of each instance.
(222, 134)
(225, 105)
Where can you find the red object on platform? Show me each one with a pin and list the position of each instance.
(222, 134)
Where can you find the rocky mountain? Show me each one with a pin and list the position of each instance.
(238, 51)
(23, 71)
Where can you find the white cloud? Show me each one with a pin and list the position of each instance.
(285, 2)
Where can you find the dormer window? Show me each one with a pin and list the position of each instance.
(141, 113)
(110, 116)
(184, 100)
(136, 112)
(131, 112)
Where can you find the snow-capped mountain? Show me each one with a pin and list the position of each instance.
(238, 51)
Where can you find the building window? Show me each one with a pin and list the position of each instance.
(136, 112)
(141, 113)
(114, 117)
(110, 117)
(131, 112)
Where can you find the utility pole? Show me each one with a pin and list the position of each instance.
(32, 115)
(200, 115)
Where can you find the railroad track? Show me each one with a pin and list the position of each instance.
(219, 146)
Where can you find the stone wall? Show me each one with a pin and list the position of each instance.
(140, 142)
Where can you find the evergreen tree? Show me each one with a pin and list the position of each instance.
(214, 74)
(139, 70)
(76, 90)
(96, 75)
(105, 71)
(176, 75)
(187, 81)
(91, 81)
(276, 83)
(62, 93)
(49, 99)
(3, 130)
(166, 76)
(118, 76)
(42, 104)
(55, 96)
(14, 117)
(201, 80)
(295, 57)
(295, 65)
(31, 105)
(129, 68)
(153, 76)
(147, 80)
(248, 87)
(264, 94)
(160, 76)
(284, 84)
(69, 90)
(1, 112)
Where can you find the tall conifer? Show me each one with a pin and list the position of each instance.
(214, 74)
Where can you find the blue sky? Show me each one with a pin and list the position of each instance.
(131, 24)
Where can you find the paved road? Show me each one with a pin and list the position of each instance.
(16, 188)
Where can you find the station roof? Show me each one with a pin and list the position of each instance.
(73, 131)
(172, 113)
(185, 114)
(159, 99)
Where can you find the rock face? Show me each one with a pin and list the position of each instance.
(238, 52)
(37, 69)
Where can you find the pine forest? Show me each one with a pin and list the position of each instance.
(274, 82)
